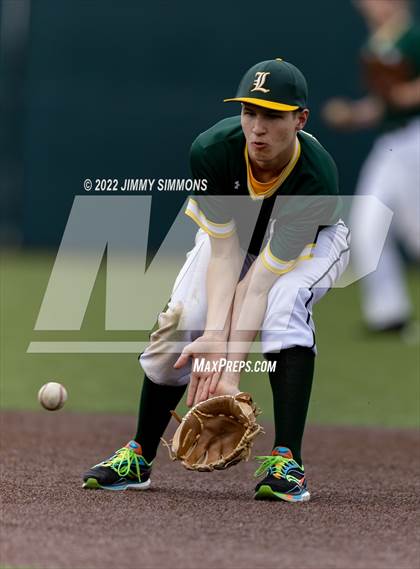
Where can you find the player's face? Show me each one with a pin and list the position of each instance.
(270, 135)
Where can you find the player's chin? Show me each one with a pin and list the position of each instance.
(264, 154)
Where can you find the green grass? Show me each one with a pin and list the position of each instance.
(359, 380)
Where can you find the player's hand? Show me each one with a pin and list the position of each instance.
(212, 386)
(405, 95)
(211, 353)
(228, 384)
(338, 113)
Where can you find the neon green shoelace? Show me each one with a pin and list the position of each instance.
(122, 462)
(274, 465)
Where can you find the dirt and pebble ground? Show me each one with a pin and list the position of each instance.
(362, 515)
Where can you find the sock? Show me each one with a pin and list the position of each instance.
(156, 403)
(291, 385)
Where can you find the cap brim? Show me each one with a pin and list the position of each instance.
(265, 104)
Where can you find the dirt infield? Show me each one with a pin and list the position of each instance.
(362, 513)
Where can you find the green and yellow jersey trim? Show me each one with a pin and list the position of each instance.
(280, 267)
(261, 190)
(219, 230)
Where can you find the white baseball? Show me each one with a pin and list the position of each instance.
(52, 396)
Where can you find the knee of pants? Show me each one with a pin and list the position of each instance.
(166, 344)
(159, 368)
(283, 302)
(288, 320)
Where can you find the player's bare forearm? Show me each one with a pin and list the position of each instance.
(367, 112)
(353, 115)
(222, 278)
(249, 308)
(406, 95)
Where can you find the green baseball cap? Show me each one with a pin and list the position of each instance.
(274, 84)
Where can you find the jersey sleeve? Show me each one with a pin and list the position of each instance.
(410, 48)
(210, 209)
(300, 218)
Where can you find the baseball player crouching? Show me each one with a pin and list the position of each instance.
(270, 244)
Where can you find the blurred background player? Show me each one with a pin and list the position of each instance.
(390, 62)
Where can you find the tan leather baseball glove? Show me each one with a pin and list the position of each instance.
(381, 75)
(216, 433)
